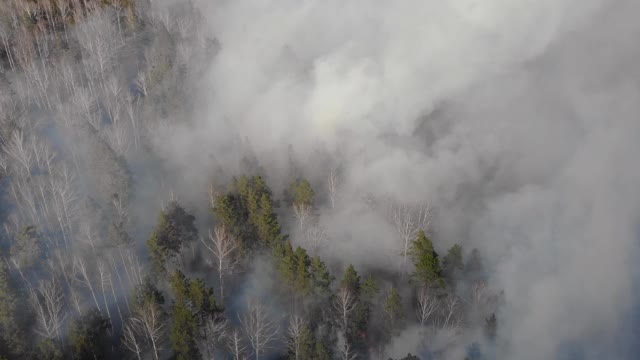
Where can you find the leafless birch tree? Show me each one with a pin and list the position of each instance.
(302, 212)
(223, 247)
(344, 304)
(408, 221)
(148, 322)
(83, 278)
(450, 312)
(332, 187)
(316, 238)
(345, 351)
(294, 334)
(260, 330)
(48, 303)
(216, 332)
(427, 306)
(236, 346)
(131, 341)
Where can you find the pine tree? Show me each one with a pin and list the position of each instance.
(491, 326)
(27, 250)
(175, 228)
(12, 316)
(268, 227)
(302, 282)
(286, 263)
(194, 306)
(426, 262)
(452, 264)
(394, 310)
(321, 277)
(351, 280)
(474, 266)
(303, 193)
(89, 336)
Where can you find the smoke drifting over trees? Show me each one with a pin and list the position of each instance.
(319, 179)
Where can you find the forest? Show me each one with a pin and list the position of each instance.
(136, 227)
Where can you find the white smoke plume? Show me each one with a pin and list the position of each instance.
(517, 120)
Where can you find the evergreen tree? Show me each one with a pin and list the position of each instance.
(184, 332)
(321, 351)
(286, 263)
(394, 311)
(147, 293)
(302, 192)
(13, 316)
(474, 268)
(370, 289)
(491, 326)
(175, 228)
(267, 223)
(302, 283)
(89, 336)
(307, 343)
(231, 212)
(27, 250)
(194, 306)
(321, 277)
(49, 350)
(452, 265)
(426, 262)
(351, 280)
(117, 234)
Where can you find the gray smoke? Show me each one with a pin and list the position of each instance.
(517, 120)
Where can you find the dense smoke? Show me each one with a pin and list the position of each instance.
(508, 127)
(517, 121)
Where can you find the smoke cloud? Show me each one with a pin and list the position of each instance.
(516, 120)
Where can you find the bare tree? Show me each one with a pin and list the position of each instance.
(83, 278)
(98, 38)
(20, 152)
(344, 304)
(142, 83)
(216, 332)
(235, 345)
(294, 334)
(260, 330)
(408, 221)
(316, 238)
(302, 212)
(345, 350)
(478, 294)
(149, 322)
(427, 306)
(64, 11)
(131, 107)
(223, 247)
(5, 35)
(105, 282)
(450, 308)
(130, 340)
(119, 137)
(332, 187)
(48, 303)
(85, 103)
(213, 195)
(60, 261)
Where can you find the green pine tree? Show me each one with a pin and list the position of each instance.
(452, 264)
(175, 228)
(89, 336)
(302, 282)
(394, 310)
(426, 262)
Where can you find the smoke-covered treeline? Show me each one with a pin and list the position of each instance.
(318, 179)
